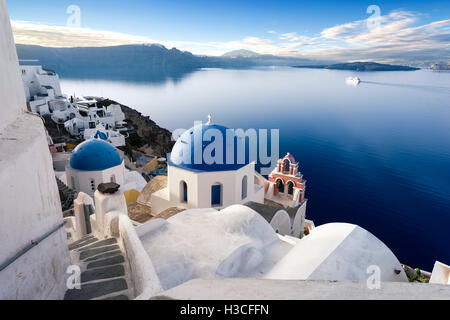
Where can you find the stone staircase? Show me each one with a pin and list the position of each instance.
(105, 272)
(66, 195)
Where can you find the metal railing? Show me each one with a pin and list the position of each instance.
(33, 244)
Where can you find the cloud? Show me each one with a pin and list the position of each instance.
(256, 44)
(393, 22)
(399, 38)
(58, 36)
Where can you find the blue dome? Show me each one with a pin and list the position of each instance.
(94, 155)
(193, 147)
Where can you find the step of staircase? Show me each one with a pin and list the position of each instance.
(82, 242)
(105, 270)
(66, 194)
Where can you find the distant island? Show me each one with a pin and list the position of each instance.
(362, 66)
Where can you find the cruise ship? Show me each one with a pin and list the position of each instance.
(354, 81)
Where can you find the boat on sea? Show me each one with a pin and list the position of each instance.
(354, 81)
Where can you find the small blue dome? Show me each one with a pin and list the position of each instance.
(189, 150)
(94, 155)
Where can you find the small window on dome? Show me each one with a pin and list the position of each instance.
(113, 178)
(92, 184)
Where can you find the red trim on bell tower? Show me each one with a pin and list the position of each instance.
(291, 179)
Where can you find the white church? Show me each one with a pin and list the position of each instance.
(93, 162)
(194, 181)
(197, 184)
(97, 161)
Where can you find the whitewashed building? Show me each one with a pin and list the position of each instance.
(93, 162)
(96, 161)
(44, 96)
(112, 136)
(86, 114)
(41, 86)
(198, 184)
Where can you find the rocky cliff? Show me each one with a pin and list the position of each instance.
(145, 135)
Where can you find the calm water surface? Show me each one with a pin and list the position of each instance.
(376, 155)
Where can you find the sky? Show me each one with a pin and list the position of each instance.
(385, 31)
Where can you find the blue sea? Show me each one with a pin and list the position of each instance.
(376, 155)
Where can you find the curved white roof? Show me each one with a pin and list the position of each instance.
(338, 251)
(237, 242)
(205, 243)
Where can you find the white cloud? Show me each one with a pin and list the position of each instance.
(395, 21)
(397, 39)
(57, 36)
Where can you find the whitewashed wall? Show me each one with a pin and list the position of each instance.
(50, 80)
(298, 225)
(440, 274)
(199, 188)
(29, 201)
(34, 77)
(29, 78)
(11, 88)
(82, 179)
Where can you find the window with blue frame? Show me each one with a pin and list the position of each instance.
(184, 191)
(216, 195)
